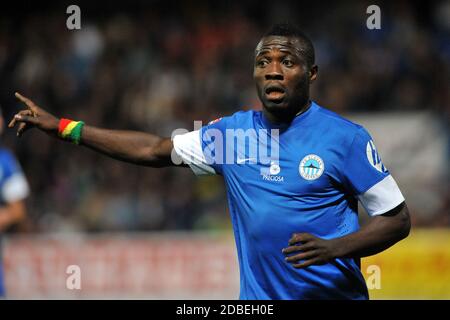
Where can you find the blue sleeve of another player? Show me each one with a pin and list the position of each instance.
(365, 176)
(9, 165)
(14, 186)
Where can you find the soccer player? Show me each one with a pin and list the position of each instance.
(294, 212)
(13, 191)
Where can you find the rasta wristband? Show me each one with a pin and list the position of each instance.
(70, 130)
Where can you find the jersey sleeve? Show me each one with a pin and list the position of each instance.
(203, 149)
(14, 186)
(367, 178)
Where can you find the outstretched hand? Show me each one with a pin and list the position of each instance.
(305, 250)
(33, 116)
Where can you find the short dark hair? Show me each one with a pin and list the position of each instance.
(290, 30)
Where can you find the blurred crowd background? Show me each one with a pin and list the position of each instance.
(158, 65)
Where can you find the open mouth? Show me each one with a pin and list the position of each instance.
(274, 92)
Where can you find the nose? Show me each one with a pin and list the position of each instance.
(274, 72)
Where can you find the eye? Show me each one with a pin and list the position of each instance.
(288, 63)
(262, 63)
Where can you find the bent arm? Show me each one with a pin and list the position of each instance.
(129, 146)
(377, 235)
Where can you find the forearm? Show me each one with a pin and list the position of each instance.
(130, 146)
(379, 234)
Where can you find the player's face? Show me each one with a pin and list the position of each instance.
(281, 75)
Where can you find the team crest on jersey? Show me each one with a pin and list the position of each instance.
(311, 167)
(373, 157)
(214, 121)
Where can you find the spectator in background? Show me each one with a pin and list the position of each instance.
(13, 191)
(135, 67)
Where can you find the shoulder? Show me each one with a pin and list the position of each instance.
(339, 126)
(8, 163)
(6, 156)
(338, 120)
(237, 119)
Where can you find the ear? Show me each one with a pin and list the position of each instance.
(313, 73)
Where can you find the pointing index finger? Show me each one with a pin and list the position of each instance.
(25, 100)
(30, 104)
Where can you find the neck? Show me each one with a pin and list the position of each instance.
(286, 118)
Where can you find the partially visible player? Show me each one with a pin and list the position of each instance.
(13, 191)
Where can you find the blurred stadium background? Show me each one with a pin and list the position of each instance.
(157, 66)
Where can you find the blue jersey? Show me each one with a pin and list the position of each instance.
(304, 177)
(13, 187)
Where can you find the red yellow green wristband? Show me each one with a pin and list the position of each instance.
(70, 130)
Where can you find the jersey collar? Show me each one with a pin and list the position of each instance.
(297, 120)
